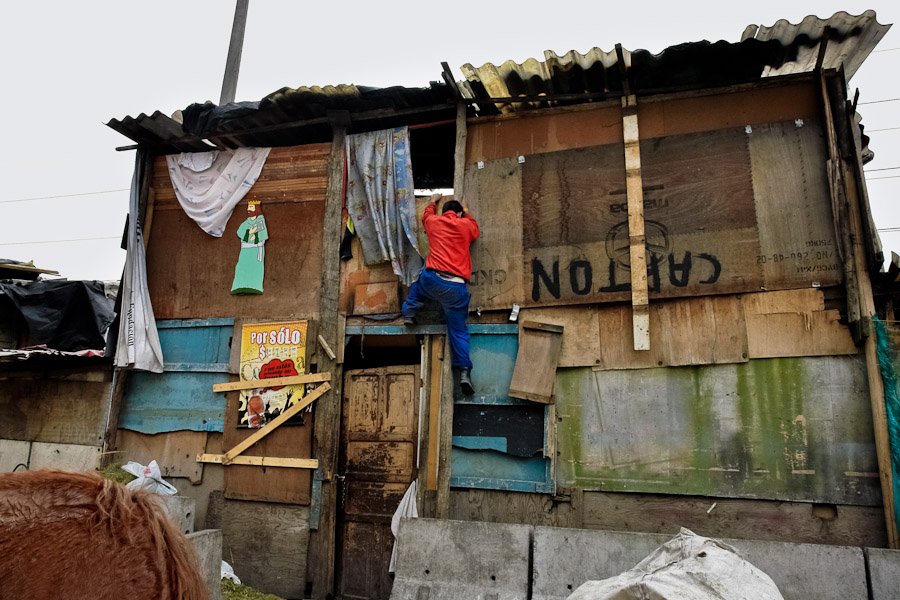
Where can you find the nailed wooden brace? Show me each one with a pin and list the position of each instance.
(640, 304)
(233, 386)
(231, 457)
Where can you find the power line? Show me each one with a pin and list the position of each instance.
(878, 101)
(885, 50)
(885, 177)
(114, 237)
(884, 169)
(883, 129)
(64, 196)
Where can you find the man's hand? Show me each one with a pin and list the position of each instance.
(436, 197)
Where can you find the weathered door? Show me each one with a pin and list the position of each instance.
(379, 428)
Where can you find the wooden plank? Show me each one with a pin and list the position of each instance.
(495, 506)
(684, 331)
(436, 361)
(637, 241)
(445, 432)
(536, 362)
(248, 527)
(793, 522)
(786, 301)
(277, 421)
(174, 452)
(52, 410)
(817, 333)
(793, 429)
(116, 395)
(494, 196)
(376, 299)
(261, 461)
(274, 381)
(581, 344)
(67, 457)
(558, 129)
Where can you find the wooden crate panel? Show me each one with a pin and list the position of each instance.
(581, 343)
(795, 429)
(53, 410)
(536, 361)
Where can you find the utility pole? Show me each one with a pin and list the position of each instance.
(233, 62)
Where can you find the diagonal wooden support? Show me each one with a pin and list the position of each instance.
(640, 304)
(274, 423)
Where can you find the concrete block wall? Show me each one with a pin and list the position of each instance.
(443, 559)
(208, 546)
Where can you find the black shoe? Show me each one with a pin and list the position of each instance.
(465, 382)
(409, 321)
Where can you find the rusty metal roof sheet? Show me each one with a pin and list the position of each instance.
(574, 78)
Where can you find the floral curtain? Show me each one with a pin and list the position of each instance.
(381, 200)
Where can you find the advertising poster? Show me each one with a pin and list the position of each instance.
(271, 350)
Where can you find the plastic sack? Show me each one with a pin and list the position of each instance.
(406, 510)
(148, 478)
(228, 573)
(687, 567)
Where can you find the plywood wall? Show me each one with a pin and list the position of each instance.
(190, 272)
(735, 200)
(796, 429)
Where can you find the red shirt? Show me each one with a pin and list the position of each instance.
(449, 237)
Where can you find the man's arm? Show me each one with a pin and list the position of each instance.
(431, 209)
(470, 221)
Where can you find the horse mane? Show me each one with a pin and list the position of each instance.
(68, 533)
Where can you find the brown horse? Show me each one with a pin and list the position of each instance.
(79, 536)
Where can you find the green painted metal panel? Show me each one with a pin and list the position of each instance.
(795, 429)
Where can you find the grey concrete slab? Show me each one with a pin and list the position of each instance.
(208, 545)
(450, 560)
(566, 558)
(181, 509)
(884, 573)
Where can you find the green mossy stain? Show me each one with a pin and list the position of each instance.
(770, 397)
(569, 399)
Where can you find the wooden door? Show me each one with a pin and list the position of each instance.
(379, 429)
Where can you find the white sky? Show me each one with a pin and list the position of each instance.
(69, 67)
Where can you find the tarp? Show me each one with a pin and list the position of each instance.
(687, 567)
(63, 315)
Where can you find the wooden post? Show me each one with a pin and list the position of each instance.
(459, 156)
(434, 411)
(445, 434)
(235, 47)
(634, 189)
(321, 555)
(848, 203)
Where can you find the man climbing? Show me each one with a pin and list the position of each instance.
(447, 270)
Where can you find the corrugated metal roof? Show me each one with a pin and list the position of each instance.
(762, 52)
(292, 116)
(287, 117)
(850, 41)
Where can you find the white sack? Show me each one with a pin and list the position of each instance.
(148, 478)
(687, 567)
(406, 510)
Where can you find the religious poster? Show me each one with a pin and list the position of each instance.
(270, 350)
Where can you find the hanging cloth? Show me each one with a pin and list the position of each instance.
(209, 185)
(138, 345)
(406, 510)
(381, 200)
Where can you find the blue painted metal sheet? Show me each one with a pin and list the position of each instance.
(479, 461)
(488, 469)
(196, 356)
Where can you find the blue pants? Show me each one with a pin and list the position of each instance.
(454, 299)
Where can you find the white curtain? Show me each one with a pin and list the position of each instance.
(138, 345)
(381, 200)
(209, 185)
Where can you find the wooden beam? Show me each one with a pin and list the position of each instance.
(261, 461)
(459, 156)
(233, 386)
(860, 288)
(235, 48)
(634, 190)
(274, 423)
(326, 348)
(434, 411)
(321, 549)
(445, 433)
